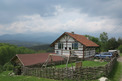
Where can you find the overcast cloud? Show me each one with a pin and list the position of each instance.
(57, 16)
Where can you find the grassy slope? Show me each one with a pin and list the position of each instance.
(5, 77)
(84, 64)
(120, 54)
(116, 73)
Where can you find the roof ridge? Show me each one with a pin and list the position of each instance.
(75, 34)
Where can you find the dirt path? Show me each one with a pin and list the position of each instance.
(120, 60)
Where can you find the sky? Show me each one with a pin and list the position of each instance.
(90, 17)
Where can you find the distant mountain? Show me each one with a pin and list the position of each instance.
(27, 40)
(45, 47)
(38, 38)
(21, 43)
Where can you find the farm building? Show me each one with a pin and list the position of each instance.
(29, 60)
(33, 60)
(71, 43)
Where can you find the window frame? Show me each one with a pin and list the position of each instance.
(60, 45)
(75, 45)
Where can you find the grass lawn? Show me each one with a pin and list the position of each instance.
(5, 77)
(84, 64)
(116, 72)
(120, 54)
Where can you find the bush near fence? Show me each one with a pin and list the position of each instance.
(87, 73)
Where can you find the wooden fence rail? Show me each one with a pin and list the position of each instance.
(71, 73)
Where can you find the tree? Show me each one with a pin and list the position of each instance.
(112, 44)
(120, 48)
(103, 37)
(94, 39)
(119, 41)
(1, 68)
(8, 66)
(103, 41)
(7, 51)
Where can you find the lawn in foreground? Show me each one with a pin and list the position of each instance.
(116, 72)
(120, 54)
(5, 77)
(84, 64)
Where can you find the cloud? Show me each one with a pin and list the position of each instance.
(64, 20)
(57, 16)
(11, 9)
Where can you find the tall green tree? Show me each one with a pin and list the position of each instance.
(94, 39)
(120, 48)
(103, 39)
(7, 51)
(119, 41)
(112, 43)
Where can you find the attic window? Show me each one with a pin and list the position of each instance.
(60, 45)
(75, 45)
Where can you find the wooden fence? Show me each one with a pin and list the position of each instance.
(88, 73)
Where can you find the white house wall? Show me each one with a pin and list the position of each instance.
(64, 38)
(56, 45)
(69, 40)
(89, 52)
(79, 52)
(80, 46)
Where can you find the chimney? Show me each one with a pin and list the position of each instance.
(72, 32)
(88, 38)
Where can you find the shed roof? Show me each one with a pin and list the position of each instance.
(80, 38)
(32, 59)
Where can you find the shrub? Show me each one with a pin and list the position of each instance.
(8, 66)
(120, 48)
(1, 68)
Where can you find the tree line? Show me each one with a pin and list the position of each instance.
(8, 51)
(105, 43)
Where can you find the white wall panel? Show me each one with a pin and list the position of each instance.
(88, 51)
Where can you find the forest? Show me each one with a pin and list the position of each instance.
(105, 43)
(7, 51)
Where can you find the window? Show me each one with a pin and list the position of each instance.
(75, 45)
(57, 52)
(69, 48)
(60, 45)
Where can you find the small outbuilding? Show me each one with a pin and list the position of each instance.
(33, 60)
(29, 60)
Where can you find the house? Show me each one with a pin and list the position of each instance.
(29, 60)
(71, 43)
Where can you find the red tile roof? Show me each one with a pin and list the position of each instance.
(80, 38)
(32, 59)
